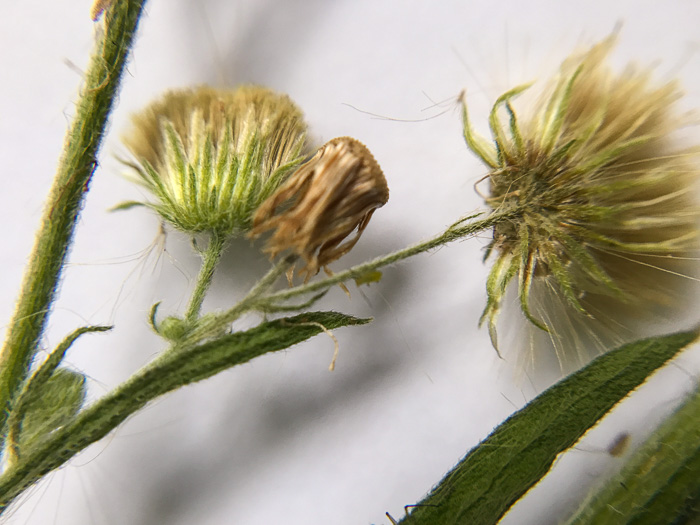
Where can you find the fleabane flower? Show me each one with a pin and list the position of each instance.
(211, 157)
(602, 203)
(322, 203)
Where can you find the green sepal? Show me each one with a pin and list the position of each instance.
(127, 205)
(484, 149)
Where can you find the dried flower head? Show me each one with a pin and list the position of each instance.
(212, 156)
(323, 202)
(605, 211)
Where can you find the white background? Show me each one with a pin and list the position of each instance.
(282, 440)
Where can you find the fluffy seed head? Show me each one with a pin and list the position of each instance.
(323, 202)
(211, 156)
(606, 208)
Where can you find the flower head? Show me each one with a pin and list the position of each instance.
(210, 157)
(323, 202)
(605, 211)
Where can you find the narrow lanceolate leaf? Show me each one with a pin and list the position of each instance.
(176, 367)
(660, 483)
(494, 475)
(241, 347)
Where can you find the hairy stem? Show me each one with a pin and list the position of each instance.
(457, 231)
(178, 366)
(210, 258)
(76, 166)
(215, 325)
(258, 300)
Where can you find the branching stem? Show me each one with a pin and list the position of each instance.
(258, 300)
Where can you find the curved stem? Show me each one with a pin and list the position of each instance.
(457, 231)
(77, 164)
(256, 300)
(210, 258)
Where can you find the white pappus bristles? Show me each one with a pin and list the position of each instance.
(605, 233)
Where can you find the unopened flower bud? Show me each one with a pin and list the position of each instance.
(210, 157)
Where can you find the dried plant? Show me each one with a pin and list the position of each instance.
(323, 202)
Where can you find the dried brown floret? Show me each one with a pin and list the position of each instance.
(322, 203)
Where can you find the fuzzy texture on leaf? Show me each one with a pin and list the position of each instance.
(323, 202)
(210, 157)
(522, 449)
(660, 482)
(606, 222)
(50, 405)
(171, 370)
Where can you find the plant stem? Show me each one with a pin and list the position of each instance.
(455, 232)
(77, 164)
(214, 325)
(172, 369)
(256, 299)
(210, 258)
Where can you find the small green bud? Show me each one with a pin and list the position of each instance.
(210, 157)
(173, 328)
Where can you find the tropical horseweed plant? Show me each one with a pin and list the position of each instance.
(605, 217)
(590, 203)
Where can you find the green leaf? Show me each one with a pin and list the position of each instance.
(172, 369)
(660, 482)
(48, 406)
(127, 205)
(48, 400)
(494, 475)
(224, 352)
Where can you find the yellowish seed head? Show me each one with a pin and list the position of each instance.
(606, 203)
